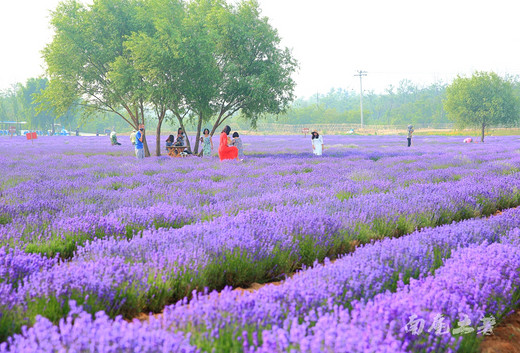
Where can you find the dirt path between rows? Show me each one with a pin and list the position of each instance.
(505, 337)
(252, 288)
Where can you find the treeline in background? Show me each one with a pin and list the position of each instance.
(396, 107)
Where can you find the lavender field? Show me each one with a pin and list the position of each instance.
(381, 248)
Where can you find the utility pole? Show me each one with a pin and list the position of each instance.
(361, 73)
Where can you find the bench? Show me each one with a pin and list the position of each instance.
(176, 151)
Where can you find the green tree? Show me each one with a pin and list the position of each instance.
(483, 100)
(218, 60)
(154, 54)
(255, 73)
(10, 105)
(87, 61)
(37, 118)
(170, 58)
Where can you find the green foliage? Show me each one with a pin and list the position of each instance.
(87, 62)
(10, 323)
(5, 218)
(483, 100)
(344, 195)
(203, 61)
(310, 251)
(210, 60)
(403, 105)
(238, 268)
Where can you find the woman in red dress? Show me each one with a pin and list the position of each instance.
(225, 151)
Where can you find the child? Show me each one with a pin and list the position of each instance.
(207, 144)
(238, 143)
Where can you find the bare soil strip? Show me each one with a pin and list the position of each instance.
(505, 337)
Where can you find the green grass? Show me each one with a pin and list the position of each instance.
(237, 268)
(14, 181)
(64, 246)
(344, 195)
(5, 218)
(10, 322)
(217, 178)
(470, 132)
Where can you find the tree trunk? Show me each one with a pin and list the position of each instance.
(483, 131)
(216, 125)
(145, 145)
(158, 133)
(199, 126)
(158, 139)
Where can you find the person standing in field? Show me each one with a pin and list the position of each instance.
(317, 143)
(207, 144)
(237, 142)
(224, 150)
(139, 148)
(410, 133)
(132, 137)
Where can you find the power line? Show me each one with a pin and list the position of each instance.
(361, 73)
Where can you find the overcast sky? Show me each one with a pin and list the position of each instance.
(423, 41)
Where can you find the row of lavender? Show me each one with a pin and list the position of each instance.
(72, 192)
(159, 267)
(435, 290)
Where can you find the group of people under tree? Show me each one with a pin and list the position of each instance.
(180, 140)
(229, 147)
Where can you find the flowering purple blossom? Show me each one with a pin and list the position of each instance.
(475, 282)
(134, 235)
(80, 332)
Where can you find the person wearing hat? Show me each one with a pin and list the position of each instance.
(317, 143)
(132, 137)
(409, 137)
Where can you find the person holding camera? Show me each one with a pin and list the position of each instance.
(139, 148)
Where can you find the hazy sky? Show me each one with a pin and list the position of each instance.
(423, 41)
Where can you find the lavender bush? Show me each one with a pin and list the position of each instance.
(125, 237)
(358, 303)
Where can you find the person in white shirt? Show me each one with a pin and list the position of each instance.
(317, 143)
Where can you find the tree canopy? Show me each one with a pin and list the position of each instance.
(202, 60)
(483, 100)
